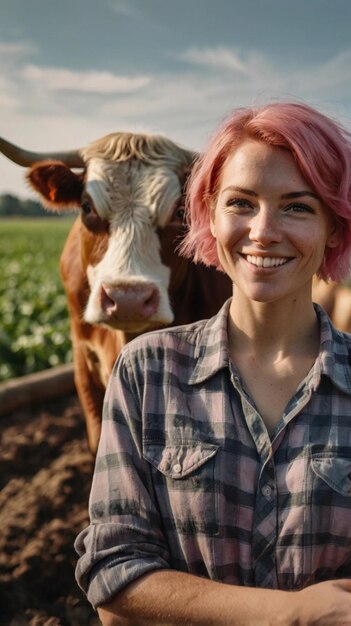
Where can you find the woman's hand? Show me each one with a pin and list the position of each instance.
(325, 604)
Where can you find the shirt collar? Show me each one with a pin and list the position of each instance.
(212, 349)
(212, 346)
(334, 352)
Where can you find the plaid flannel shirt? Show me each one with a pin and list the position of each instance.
(188, 478)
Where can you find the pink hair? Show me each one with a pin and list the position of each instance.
(322, 150)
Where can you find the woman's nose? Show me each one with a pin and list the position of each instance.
(265, 227)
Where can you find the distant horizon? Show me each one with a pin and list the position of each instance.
(28, 208)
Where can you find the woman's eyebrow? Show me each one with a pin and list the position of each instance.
(285, 196)
(300, 194)
(249, 192)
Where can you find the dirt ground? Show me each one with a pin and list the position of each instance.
(45, 475)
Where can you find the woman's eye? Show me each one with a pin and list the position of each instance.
(238, 203)
(298, 207)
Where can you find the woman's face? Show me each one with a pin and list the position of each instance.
(271, 228)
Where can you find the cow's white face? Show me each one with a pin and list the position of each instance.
(129, 282)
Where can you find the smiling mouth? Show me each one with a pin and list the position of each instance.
(266, 261)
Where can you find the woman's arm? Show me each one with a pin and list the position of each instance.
(170, 598)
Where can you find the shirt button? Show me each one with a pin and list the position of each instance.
(177, 468)
(266, 490)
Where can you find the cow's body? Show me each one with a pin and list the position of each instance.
(120, 266)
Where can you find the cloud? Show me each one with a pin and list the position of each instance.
(125, 8)
(221, 58)
(6, 100)
(62, 79)
(334, 73)
(16, 49)
(47, 108)
(248, 73)
(11, 57)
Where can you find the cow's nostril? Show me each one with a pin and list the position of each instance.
(150, 305)
(107, 303)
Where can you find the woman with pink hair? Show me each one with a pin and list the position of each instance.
(223, 475)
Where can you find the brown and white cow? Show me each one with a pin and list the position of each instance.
(120, 268)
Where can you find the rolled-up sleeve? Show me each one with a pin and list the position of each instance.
(124, 539)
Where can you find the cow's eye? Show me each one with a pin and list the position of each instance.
(86, 207)
(179, 214)
(91, 220)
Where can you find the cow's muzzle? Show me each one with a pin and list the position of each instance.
(123, 303)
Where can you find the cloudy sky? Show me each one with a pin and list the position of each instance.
(74, 70)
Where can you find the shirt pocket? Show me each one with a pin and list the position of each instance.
(186, 490)
(331, 512)
(335, 472)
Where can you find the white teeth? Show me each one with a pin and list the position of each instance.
(266, 261)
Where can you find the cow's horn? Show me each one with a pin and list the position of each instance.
(26, 158)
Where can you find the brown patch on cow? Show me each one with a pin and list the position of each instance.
(58, 186)
(73, 276)
(91, 220)
(93, 246)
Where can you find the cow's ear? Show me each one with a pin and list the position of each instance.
(60, 188)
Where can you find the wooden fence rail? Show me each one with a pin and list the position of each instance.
(27, 391)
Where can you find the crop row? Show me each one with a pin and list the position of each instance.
(34, 327)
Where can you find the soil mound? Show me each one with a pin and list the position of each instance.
(45, 477)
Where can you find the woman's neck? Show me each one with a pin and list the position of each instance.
(278, 328)
(273, 346)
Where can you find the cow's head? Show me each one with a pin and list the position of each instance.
(130, 197)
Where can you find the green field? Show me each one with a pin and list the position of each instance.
(34, 327)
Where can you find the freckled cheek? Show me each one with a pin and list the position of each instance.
(312, 241)
(227, 233)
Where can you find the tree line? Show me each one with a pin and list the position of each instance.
(11, 206)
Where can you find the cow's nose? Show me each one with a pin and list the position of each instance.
(138, 301)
